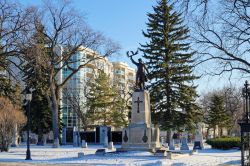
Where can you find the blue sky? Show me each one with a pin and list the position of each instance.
(120, 20)
(123, 22)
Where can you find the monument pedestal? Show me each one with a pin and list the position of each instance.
(140, 134)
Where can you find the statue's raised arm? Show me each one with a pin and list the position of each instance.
(140, 73)
(132, 54)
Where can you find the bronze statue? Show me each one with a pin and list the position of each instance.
(141, 77)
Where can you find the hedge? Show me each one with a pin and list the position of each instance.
(224, 143)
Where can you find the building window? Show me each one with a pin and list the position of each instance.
(119, 72)
(70, 122)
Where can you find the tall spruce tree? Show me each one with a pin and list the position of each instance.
(169, 60)
(41, 116)
(37, 78)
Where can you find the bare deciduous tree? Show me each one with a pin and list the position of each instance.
(77, 105)
(222, 37)
(234, 106)
(66, 34)
(13, 22)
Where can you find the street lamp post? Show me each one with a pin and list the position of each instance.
(28, 96)
(245, 127)
(246, 89)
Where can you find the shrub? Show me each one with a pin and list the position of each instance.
(224, 143)
(10, 116)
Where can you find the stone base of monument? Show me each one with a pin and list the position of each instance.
(140, 137)
(140, 133)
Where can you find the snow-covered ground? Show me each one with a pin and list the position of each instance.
(69, 155)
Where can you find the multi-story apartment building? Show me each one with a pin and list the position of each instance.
(124, 77)
(119, 73)
(77, 84)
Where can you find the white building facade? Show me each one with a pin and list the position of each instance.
(118, 72)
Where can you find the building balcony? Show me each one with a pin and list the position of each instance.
(121, 72)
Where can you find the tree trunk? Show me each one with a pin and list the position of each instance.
(40, 136)
(229, 131)
(44, 139)
(207, 133)
(55, 121)
(221, 131)
(169, 136)
(15, 137)
(214, 132)
(52, 100)
(5, 145)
